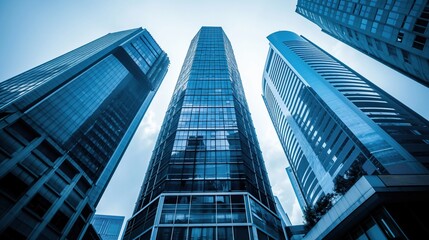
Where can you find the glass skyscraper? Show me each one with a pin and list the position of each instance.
(297, 189)
(64, 126)
(107, 226)
(206, 178)
(327, 117)
(393, 32)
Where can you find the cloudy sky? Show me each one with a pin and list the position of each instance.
(33, 32)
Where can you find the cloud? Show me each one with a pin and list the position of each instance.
(149, 128)
(276, 162)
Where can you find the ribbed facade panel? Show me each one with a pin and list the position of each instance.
(327, 117)
(393, 32)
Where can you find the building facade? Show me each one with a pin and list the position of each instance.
(107, 226)
(329, 117)
(392, 32)
(376, 207)
(206, 178)
(302, 201)
(64, 126)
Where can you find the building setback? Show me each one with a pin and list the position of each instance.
(297, 189)
(64, 126)
(107, 226)
(327, 117)
(206, 178)
(392, 32)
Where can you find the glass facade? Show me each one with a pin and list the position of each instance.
(328, 117)
(393, 32)
(206, 178)
(64, 126)
(297, 189)
(108, 227)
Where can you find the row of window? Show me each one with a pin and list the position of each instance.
(66, 110)
(40, 75)
(194, 141)
(292, 148)
(200, 233)
(203, 209)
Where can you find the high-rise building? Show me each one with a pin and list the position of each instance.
(327, 117)
(330, 119)
(393, 32)
(297, 189)
(206, 178)
(107, 226)
(281, 212)
(64, 126)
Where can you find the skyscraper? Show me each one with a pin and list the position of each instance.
(297, 189)
(328, 117)
(206, 177)
(393, 32)
(64, 126)
(107, 226)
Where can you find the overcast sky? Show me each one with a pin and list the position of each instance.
(33, 32)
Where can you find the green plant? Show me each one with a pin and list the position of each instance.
(313, 214)
(342, 183)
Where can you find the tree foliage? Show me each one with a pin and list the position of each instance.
(343, 183)
(313, 214)
(310, 217)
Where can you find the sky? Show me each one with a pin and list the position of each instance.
(33, 32)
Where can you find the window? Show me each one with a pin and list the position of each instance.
(8, 144)
(420, 25)
(363, 24)
(379, 14)
(13, 186)
(349, 32)
(387, 32)
(83, 185)
(164, 233)
(378, 44)
(391, 50)
(56, 183)
(269, 60)
(405, 56)
(224, 233)
(374, 27)
(241, 233)
(392, 18)
(39, 205)
(351, 20)
(400, 37)
(197, 233)
(369, 41)
(419, 42)
(68, 169)
(48, 151)
(59, 221)
(24, 130)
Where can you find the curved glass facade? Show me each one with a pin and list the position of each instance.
(206, 168)
(327, 116)
(63, 132)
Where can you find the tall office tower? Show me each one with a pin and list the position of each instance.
(393, 32)
(206, 177)
(64, 126)
(297, 189)
(327, 117)
(107, 226)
